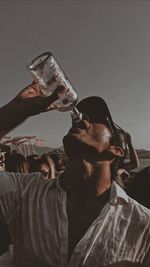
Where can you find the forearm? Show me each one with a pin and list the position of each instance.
(29, 102)
(11, 115)
(134, 160)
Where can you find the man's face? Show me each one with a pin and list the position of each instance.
(87, 139)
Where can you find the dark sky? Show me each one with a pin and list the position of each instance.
(103, 46)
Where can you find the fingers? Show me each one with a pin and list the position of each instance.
(58, 93)
(31, 90)
(32, 96)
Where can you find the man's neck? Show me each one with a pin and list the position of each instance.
(85, 179)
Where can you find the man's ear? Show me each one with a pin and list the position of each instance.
(116, 151)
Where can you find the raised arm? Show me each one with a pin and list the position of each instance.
(30, 101)
(134, 160)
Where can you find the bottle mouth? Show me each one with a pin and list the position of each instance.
(39, 60)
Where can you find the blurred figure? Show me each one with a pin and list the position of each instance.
(31, 158)
(6, 149)
(17, 163)
(2, 161)
(130, 159)
(47, 159)
(45, 165)
(134, 160)
(58, 158)
(139, 187)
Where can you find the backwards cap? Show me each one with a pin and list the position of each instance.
(97, 111)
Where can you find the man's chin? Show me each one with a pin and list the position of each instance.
(75, 148)
(72, 145)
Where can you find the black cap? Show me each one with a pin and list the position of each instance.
(97, 110)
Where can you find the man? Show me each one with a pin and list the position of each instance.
(83, 218)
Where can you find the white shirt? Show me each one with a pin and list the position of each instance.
(120, 236)
(35, 211)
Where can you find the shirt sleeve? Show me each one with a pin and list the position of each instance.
(12, 186)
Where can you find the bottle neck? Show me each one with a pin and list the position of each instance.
(76, 115)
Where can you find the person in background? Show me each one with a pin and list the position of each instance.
(6, 149)
(83, 218)
(2, 161)
(49, 161)
(58, 158)
(45, 165)
(138, 186)
(130, 159)
(16, 162)
(134, 160)
(32, 157)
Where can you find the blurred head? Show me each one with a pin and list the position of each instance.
(6, 149)
(47, 159)
(44, 165)
(2, 161)
(122, 142)
(58, 158)
(17, 163)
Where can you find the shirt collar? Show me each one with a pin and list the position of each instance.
(117, 195)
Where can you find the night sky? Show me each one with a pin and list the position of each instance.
(103, 47)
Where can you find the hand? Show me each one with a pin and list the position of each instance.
(123, 173)
(34, 101)
(30, 101)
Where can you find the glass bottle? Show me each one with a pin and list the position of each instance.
(45, 70)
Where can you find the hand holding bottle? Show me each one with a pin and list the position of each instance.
(34, 101)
